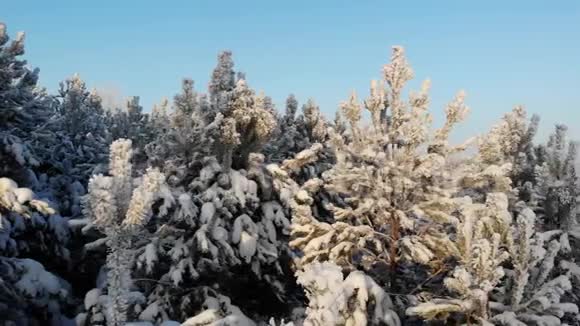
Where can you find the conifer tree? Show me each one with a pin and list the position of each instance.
(222, 83)
(120, 212)
(382, 186)
(247, 125)
(30, 228)
(72, 145)
(23, 107)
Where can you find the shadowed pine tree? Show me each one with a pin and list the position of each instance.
(293, 133)
(23, 108)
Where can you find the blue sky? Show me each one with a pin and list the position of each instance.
(502, 53)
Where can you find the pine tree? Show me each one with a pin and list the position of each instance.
(131, 123)
(535, 293)
(23, 107)
(294, 134)
(121, 212)
(246, 127)
(29, 228)
(222, 83)
(227, 231)
(189, 137)
(380, 188)
(72, 145)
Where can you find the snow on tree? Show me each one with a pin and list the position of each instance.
(72, 145)
(294, 134)
(23, 107)
(218, 311)
(187, 101)
(222, 83)
(189, 138)
(506, 158)
(390, 181)
(482, 289)
(490, 170)
(333, 300)
(131, 123)
(555, 197)
(121, 211)
(247, 125)
(80, 118)
(482, 232)
(29, 227)
(226, 231)
(534, 292)
(557, 188)
(160, 116)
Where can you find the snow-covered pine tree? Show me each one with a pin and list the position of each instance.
(482, 231)
(81, 119)
(23, 107)
(189, 138)
(389, 182)
(555, 197)
(186, 102)
(294, 134)
(160, 117)
(29, 227)
(227, 221)
(222, 84)
(131, 123)
(556, 188)
(120, 211)
(247, 125)
(226, 232)
(532, 292)
(535, 292)
(72, 145)
(506, 159)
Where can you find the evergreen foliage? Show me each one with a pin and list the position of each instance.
(215, 209)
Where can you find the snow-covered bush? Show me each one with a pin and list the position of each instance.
(30, 294)
(29, 227)
(334, 300)
(218, 310)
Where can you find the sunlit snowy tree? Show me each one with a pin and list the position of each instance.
(120, 211)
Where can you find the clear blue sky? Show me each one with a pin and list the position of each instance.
(502, 53)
